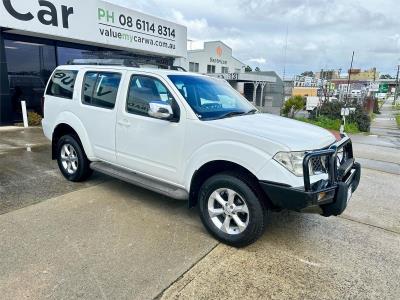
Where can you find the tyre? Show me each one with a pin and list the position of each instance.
(231, 210)
(72, 160)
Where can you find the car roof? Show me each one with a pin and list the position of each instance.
(123, 68)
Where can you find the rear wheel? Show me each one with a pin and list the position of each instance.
(72, 160)
(231, 210)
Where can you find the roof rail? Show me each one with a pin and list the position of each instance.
(104, 62)
(177, 68)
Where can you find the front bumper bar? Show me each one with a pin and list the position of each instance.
(330, 195)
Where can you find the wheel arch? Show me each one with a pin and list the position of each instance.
(214, 167)
(76, 128)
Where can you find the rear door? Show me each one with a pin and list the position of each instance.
(98, 109)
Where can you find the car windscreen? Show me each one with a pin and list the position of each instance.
(211, 98)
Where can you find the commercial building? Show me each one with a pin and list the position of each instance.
(215, 58)
(305, 91)
(328, 74)
(367, 75)
(36, 36)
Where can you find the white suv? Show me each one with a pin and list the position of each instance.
(195, 138)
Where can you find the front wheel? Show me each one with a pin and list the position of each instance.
(231, 210)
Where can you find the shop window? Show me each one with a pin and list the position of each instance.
(30, 64)
(224, 70)
(210, 69)
(193, 67)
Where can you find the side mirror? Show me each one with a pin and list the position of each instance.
(160, 110)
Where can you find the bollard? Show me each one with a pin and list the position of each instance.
(24, 114)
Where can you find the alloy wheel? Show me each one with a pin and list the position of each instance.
(228, 211)
(69, 159)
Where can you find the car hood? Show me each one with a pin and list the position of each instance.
(295, 135)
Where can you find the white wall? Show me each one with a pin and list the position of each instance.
(214, 53)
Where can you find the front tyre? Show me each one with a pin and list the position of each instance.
(72, 160)
(230, 210)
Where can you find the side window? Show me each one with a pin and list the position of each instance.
(62, 84)
(100, 89)
(142, 91)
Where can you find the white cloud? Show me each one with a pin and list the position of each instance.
(322, 33)
(261, 61)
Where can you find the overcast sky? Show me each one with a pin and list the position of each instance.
(321, 33)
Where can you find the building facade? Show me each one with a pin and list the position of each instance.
(264, 89)
(37, 36)
(214, 57)
(367, 75)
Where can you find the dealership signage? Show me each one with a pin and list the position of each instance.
(94, 22)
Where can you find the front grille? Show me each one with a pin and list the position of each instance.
(319, 165)
(334, 161)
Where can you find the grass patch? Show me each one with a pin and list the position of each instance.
(398, 120)
(397, 106)
(328, 123)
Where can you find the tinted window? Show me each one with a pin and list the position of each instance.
(210, 98)
(142, 91)
(62, 84)
(100, 89)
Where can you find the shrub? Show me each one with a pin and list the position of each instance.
(332, 110)
(332, 124)
(293, 105)
(376, 107)
(360, 117)
(34, 119)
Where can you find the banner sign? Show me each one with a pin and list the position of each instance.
(97, 23)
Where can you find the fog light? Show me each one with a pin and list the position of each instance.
(321, 196)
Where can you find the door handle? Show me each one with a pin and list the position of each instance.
(125, 123)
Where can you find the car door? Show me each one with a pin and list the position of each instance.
(100, 90)
(145, 144)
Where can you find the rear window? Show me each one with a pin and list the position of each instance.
(100, 89)
(62, 84)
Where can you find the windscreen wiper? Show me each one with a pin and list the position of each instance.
(253, 111)
(238, 113)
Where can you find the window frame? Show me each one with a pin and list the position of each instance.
(97, 79)
(50, 84)
(213, 69)
(177, 115)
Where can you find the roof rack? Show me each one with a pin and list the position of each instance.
(124, 62)
(104, 62)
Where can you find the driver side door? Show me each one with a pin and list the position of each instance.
(145, 144)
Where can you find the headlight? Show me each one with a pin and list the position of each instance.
(293, 161)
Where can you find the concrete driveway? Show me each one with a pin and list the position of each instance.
(356, 256)
(110, 240)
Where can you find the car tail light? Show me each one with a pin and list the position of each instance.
(42, 103)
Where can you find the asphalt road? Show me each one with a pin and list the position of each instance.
(110, 240)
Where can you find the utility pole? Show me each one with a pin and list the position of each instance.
(348, 81)
(285, 53)
(396, 91)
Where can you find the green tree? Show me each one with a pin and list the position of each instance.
(257, 69)
(248, 69)
(293, 105)
(308, 74)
